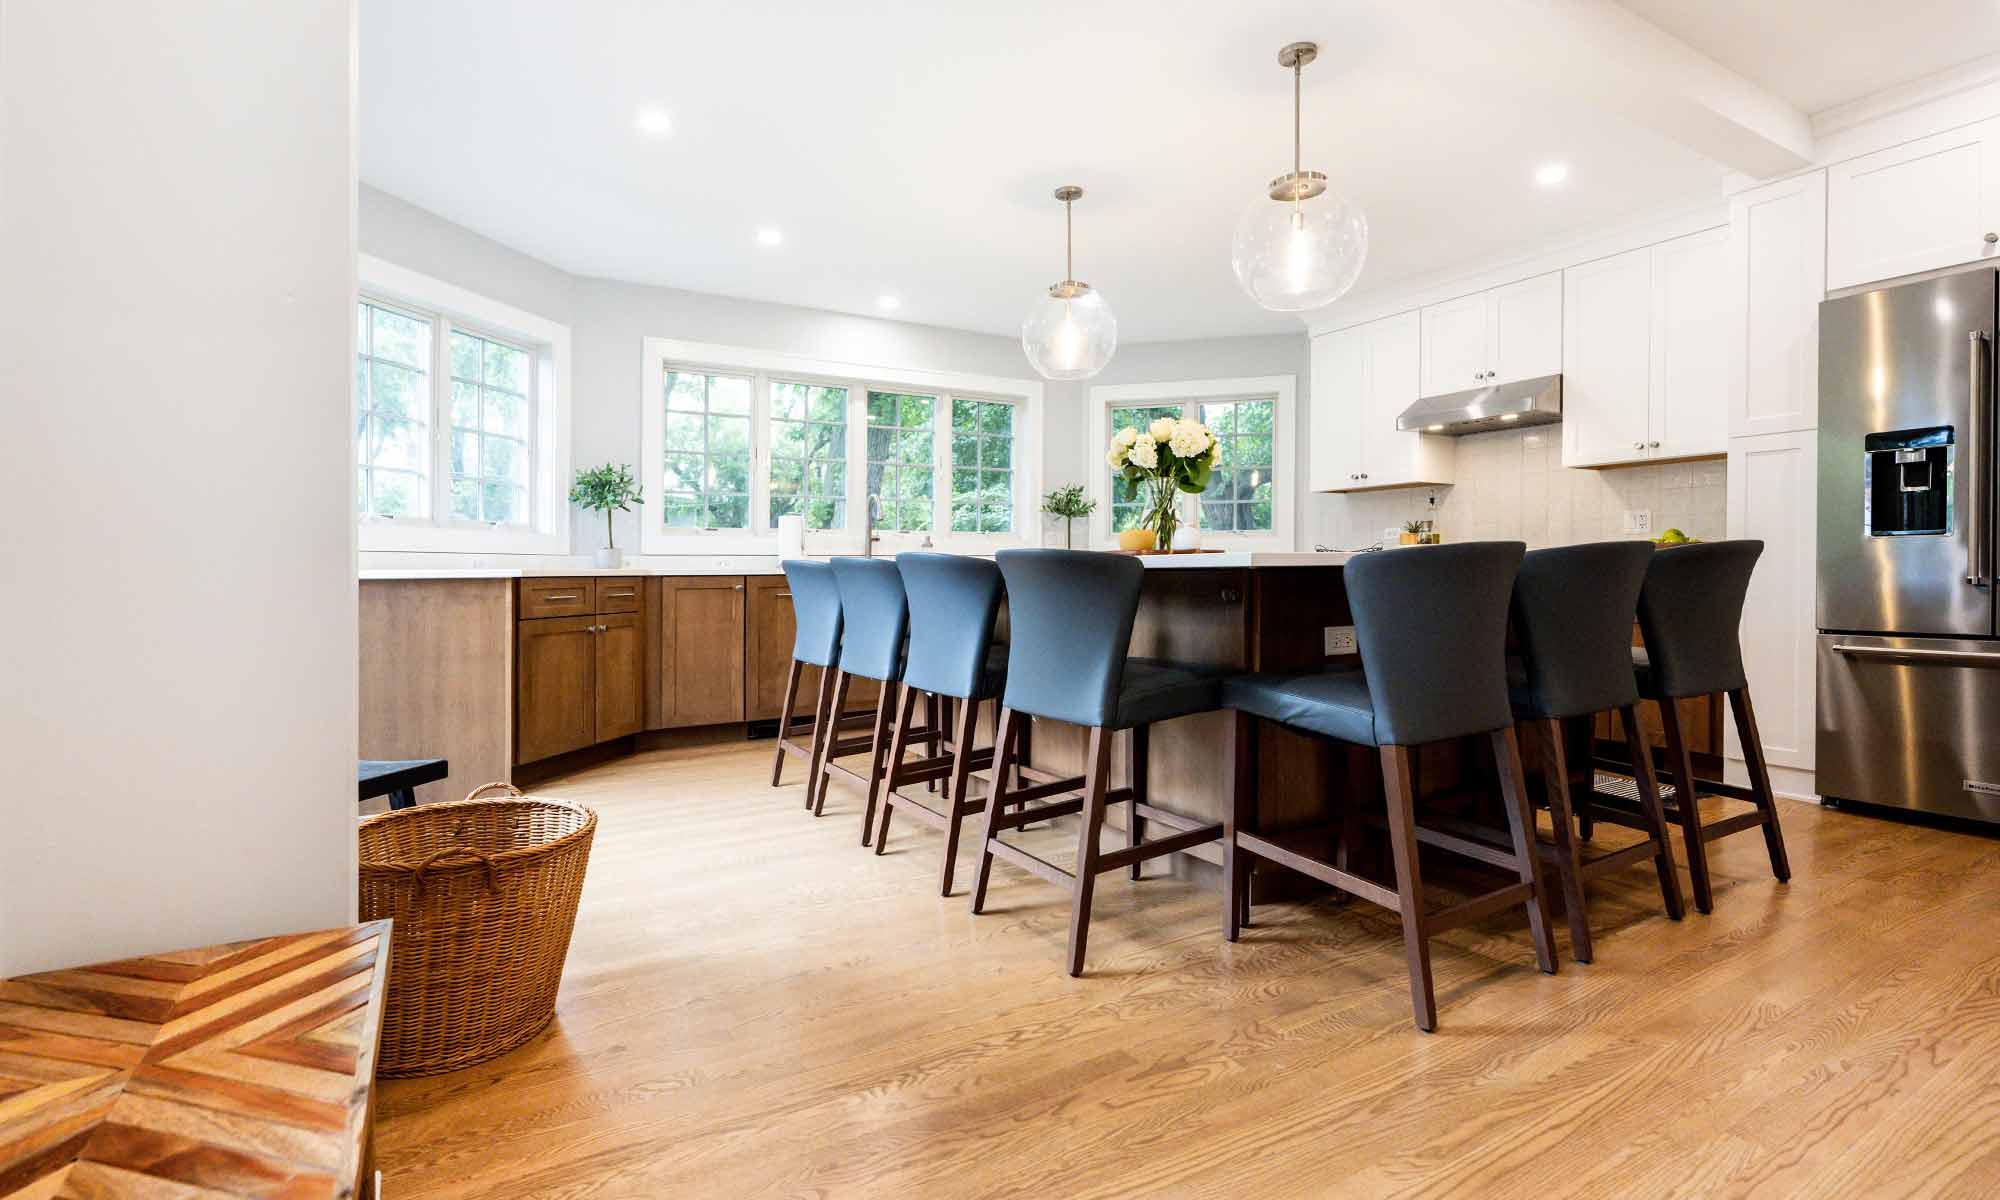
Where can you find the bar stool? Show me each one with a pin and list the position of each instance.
(875, 622)
(815, 643)
(953, 601)
(1689, 613)
(1573, 611)
(1431, 624)
(1070, 618)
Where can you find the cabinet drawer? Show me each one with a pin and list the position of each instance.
(558, 598)
(618, 595)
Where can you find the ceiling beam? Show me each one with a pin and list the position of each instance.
(1598, 53)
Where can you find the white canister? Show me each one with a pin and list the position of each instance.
(791, 536)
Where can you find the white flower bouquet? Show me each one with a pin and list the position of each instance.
(1168, 457)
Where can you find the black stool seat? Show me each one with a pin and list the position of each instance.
(1153, 690)
(1333, 703)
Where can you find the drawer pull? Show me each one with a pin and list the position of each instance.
(565, 596)
(619, 595)
(781, 595)
(1943, 658)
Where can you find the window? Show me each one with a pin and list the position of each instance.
(491, 449)
(706, 481)
(737, 439)
(392, 407)
(982, 466)
(901, 450)
(461, 420)
(809, 454)
(1248, 500)
(1238, 499)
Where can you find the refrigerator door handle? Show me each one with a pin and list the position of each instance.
(1978, 535)
(1942, 658)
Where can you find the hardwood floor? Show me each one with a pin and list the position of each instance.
(755, 1006)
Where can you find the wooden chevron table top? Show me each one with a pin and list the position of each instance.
(237, 1070)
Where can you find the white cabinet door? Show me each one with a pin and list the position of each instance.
(1454, 345)
(1773, 495)
(1339, 390)
(1607, 359)
(1690, 347)
(1777, 278)
(1389, 456)
(1914, 207)
(1525, 328)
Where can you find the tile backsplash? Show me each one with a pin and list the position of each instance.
(1512, 484)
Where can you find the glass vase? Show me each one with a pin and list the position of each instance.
(1163, 517)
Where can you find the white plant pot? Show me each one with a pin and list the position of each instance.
(610, 558)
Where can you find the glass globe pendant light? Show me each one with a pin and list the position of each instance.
(1299, 246)
(1070, 333)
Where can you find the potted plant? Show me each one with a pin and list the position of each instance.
(1069, 503)
(1169, 456)
(1413, 533)
(607, 489)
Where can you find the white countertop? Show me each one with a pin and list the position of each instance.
(768, 565)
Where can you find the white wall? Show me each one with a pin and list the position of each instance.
(177, 234)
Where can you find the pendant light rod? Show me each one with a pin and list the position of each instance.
(1069, 288)
(1301, 185)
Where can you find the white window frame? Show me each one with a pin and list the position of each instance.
(547, 530)
(1190, 394)
(765, 366)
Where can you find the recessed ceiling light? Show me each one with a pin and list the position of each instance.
(654, 122)
(1432, 428)
(1510, 416)
(888, 303)
(1551, 174)
(768, 236)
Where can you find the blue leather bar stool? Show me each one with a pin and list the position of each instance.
(815, 643)
(1070, 616)
(1690, 611)
(1431, 624)
(1573, 613)
(954, 602)
(875, 623)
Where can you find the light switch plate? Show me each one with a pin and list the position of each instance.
(1638, 520)
(1340, 640)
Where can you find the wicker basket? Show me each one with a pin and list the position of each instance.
(484, 896)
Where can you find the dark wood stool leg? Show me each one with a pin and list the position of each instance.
(1003, 754)
(959, 793)
(1025, 757)
(1760, 781)
(1409, 883)
(1521, 825)
(947, 722)
(1140, 747)
(1569, 864)
(785, 721)
(929, 743)
(1242, 796)
(826, 731)
(1091, 828)
(897, 748)
(1686, 807)
(878, 754)
(402, 798)
(1654, 811)
(1586, 825)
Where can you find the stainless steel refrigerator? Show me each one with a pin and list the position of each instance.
(1908, 659)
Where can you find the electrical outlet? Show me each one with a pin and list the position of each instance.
(1638, 520)
(1340, 640)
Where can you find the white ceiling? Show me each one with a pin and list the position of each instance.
(1819, 53)
(908, 147)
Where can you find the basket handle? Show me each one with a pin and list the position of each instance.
(423, 868)
(483, 788)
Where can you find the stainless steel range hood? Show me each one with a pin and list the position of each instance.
(1504, 406)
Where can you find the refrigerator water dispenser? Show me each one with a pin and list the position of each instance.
(1906, 482)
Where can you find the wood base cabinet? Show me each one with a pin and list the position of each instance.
(767, 645)
(579, 680)
(701, 650)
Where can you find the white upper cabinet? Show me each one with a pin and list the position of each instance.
(1931, 203)
(1777, 278)
(1363, 379)
(1645, 354)
(1497, 336)
(1607, 359)
(1691, 328)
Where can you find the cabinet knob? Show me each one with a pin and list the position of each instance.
(739, 587)
(1638, 445)
(1652, 445)
(1992, 238)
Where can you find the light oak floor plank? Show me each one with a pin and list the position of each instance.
(756, 1006)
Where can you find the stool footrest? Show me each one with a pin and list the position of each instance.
(1604, 864)
(913, 807)
(1326, 873)
(1171, 820)
(1729, 825)
(1053, 788)
(1120, 859)
(1465, 839)
(1478, 908)
(1030, 863)
(1044, 812)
